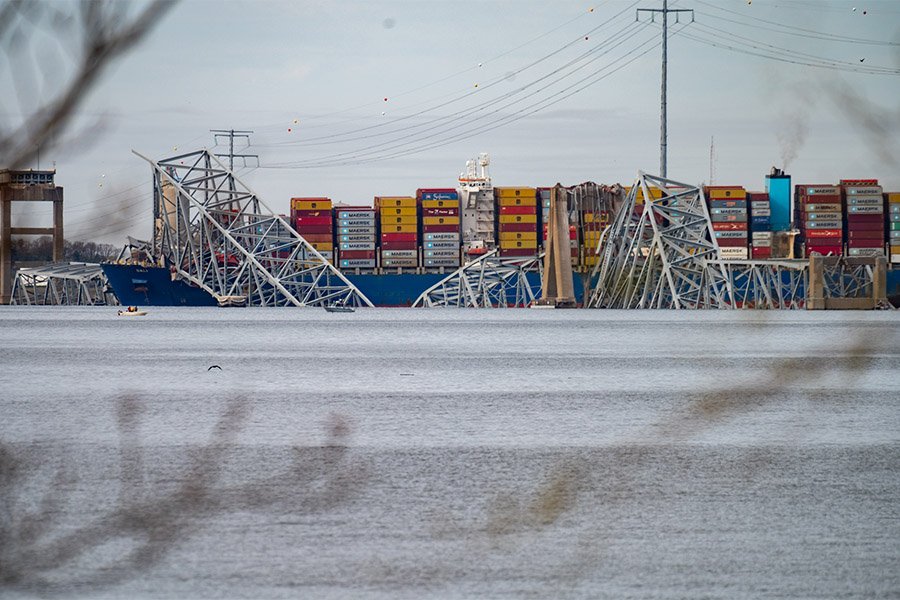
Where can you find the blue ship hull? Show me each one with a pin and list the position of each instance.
(153, 286)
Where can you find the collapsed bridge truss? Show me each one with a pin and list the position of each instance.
(212, 231)
(489, 281)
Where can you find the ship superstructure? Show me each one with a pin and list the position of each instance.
(476, 195)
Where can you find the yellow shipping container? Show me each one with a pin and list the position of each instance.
(323, 246)
(440, 203)
(398, 210)
(731, 193)
(894, 197)
(591, 260)
(595, 218)
(388, 228)
(508, 244)
(518, 219)
(654, 193)
(517, 201)
(393, 201)
(318, 204)
(515, 192)
(440, 220)
(399, 220)
(518, 235)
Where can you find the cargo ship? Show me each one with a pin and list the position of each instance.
(400, 246)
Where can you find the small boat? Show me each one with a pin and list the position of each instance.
(132, 311)
(339, 307)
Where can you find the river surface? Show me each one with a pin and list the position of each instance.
(398, 453)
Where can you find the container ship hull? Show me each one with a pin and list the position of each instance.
(153, 286)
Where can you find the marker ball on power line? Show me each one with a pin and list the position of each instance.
(289, 129)
(382, 113)
(479, 64)
(296, 121)
(591, 9)
(585, 37)
(385, 99)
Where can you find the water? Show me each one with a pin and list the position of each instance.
(449, 453)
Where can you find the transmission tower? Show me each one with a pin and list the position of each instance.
(231, 134)
(665, 35)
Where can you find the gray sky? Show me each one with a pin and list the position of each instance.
(540, 107)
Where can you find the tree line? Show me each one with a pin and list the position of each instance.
(41, 249)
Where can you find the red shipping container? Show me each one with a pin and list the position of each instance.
(862, 234)
(821, 199)
(310, 213)
(865, 243)
(399, 245)
(301, 221)
(317, 238)
(824, 250)
(518, 210)
(761, 252)
(732, 242)
(440, 212)
(858, 182)
(357, 254)
(440, 228)
(518, 227)
(302, 230)
(421, 191)
(824, 233)
(876, 218)
(866, 226)
(518, 252)
(399, 237)
(733, 226)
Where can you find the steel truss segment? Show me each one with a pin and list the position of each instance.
(489, 281)
(213, 231)
(71, 284)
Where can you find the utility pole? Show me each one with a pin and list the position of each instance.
(231, 134)
(663, 135)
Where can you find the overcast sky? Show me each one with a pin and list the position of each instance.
(356, 99)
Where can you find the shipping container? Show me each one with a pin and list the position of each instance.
(440, 229)
(441, 237)
(515, 192)
(507, 219)
(431, 204)
(440, 221)
(356, 263)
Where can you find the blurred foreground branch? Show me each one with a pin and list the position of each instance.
(101, 32)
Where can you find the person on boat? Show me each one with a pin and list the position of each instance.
(132, 309)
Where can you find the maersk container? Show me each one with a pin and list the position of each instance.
(367, 238)
(442, 237)
(441, 253)
(359, 245)
(354, 263)
(356, 222)
(825, 224)
(399, 262)
(877, 210)
(442, 262)
(356, 230)
(399, 253)
(441, 245)
(356, 214)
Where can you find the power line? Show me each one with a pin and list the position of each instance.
(339, 137)
(823, 35)
(663, 131)
(536, 107)
(465, 114)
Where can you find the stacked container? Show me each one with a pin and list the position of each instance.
(864, 203)
(356, 237)
(517, 220)
(593, 222)
(760, 225)
(892, 202)
(821, 219)
(399, 231)
(440, 227)
(311, 217)
(728, 212)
